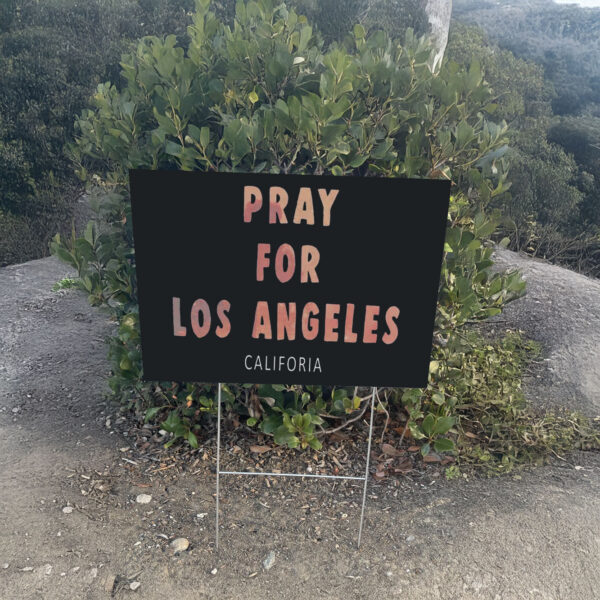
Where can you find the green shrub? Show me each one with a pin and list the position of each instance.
(263, 97)
(498, 430)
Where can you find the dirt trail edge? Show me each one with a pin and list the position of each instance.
(71, 528)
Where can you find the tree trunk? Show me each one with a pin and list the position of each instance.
(438, 13)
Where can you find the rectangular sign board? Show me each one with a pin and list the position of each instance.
(294, 279)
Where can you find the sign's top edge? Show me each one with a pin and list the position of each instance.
(354, 178)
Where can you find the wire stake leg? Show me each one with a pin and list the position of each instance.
(218, 465)
(362, 512)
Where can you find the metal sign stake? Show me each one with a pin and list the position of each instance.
(365, 479)
(362, 510)
(218, 462)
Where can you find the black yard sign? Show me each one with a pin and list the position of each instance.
(287, 279)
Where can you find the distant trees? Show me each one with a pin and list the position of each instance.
(521, 89)
(553, 206)
(564, 39)
(580, 136)
(52, 55)
(544, 197)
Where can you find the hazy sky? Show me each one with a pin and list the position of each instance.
(588, 3)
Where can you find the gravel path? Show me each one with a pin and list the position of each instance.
(532, 537)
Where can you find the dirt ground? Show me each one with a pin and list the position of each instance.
(535, 535)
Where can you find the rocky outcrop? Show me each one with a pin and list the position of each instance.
(561, 310)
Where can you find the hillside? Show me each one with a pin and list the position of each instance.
(563, 38)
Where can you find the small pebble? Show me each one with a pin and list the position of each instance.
(269, 560)
(214, 571)
(109, 583)
(27, 569)
(143, 498)
(47, 569)
(134, 585)
(5, 566)
(68, 510)
(180, 545)
(201, 515)
(410, 538)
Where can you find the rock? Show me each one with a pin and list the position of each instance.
(134, 585)
(27, 569)
(16, 409)
(570, 338)
(68, 510)
(5, 566)
(269, 560)
(214, 571)
(109, 583)
(47, 569)
(143, 498)
(180, 545)
(410, 538)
